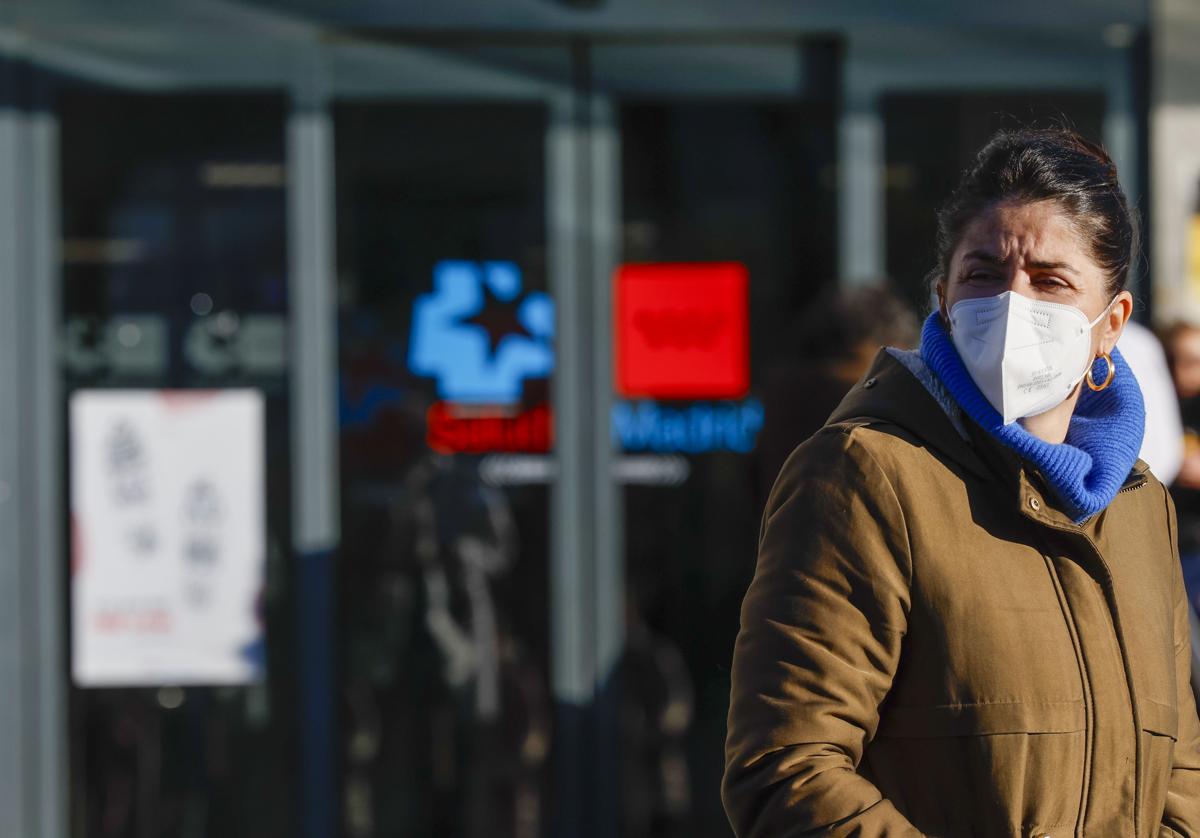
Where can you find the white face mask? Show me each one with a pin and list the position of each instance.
(1026, 356)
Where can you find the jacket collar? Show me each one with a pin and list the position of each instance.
(889, 392)
(1035, 498)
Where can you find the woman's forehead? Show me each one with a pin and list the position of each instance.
(1031, 234)
(1025, 229)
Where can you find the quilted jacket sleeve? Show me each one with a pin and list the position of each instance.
(821, 628)
(1181, 815)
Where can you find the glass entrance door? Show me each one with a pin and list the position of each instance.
(728, 208)
(174, 283)
(446, 355)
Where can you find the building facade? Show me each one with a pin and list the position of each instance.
(520, 290)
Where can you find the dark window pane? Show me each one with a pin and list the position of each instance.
(174, 259)
(443, 625)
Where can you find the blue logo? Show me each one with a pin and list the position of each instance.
(478, 335)
(705, 426)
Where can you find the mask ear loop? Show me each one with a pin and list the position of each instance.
(1103, 312)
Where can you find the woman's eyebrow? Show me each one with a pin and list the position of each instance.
(985, 256)
(1054, 266)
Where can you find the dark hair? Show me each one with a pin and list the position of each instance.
(1046, 164)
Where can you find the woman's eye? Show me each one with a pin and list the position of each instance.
(1051, 282)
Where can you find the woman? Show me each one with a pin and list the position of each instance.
(967, 617)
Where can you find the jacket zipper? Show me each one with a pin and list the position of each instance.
(1112, 604)
(1072, 628)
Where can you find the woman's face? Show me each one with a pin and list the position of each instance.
(1031, 248)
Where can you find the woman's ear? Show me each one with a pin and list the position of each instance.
(1119, 312)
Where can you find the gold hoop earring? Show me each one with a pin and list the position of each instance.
(1108, 379)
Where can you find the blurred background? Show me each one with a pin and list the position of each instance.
(389, 390)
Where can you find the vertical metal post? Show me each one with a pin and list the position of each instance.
(44, 410)
(15, 815)
(1120, 120)
(1120, 130)
(573, 664)
(33, 776)
(609, 542)
(862, 222)
(587, 559)
(315, 529)
(1120, 125)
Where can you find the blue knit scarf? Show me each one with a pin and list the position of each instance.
(1104, 437)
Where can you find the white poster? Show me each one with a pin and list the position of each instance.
(167, 537)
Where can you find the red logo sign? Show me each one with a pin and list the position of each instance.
(458, 429)
(682, 331)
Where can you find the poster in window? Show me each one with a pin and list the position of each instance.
(168, 537)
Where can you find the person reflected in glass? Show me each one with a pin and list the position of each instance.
(967, 616)
(831, 344)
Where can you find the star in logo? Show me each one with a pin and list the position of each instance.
(499, 318)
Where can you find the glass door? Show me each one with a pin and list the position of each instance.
(446, 355)
(174, 282)
(727, 232)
